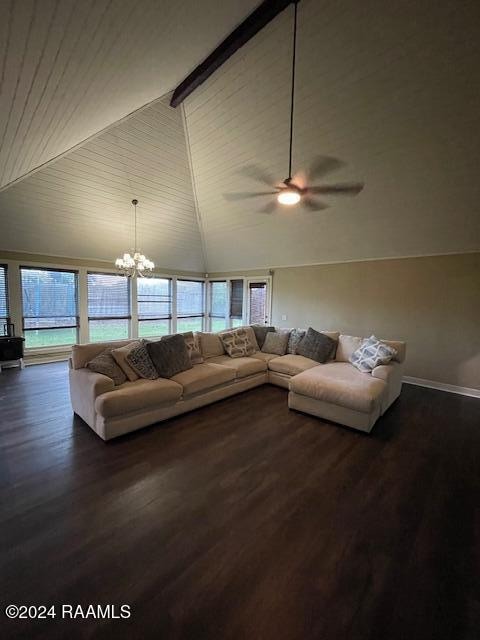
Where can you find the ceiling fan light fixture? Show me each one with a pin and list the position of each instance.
(288, 197)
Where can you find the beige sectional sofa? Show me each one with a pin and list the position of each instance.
(335, 391)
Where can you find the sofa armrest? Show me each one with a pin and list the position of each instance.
(386, 371)
(85, 387)
(392, 375)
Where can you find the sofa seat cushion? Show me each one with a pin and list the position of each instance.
(341, 384)
(243, 367)
(291, 364)
(138, 395)
(265, 357)
(202, 377)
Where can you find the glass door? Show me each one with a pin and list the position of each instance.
(258, 300)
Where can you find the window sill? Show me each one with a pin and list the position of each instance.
(44, 351)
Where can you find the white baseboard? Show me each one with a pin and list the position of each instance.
(442, 386)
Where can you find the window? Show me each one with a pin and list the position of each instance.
(190, 309)
(218, 305)
(154, 297)
(4, 314)
(50, 309)
(108, 307)
(236, 303)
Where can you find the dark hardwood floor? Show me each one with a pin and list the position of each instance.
(241, 520)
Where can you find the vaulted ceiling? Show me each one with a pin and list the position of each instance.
(387, 89)
(80, 205)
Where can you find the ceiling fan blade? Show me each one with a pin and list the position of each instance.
(255, 172)
(347, 189)
(313, 205)
(247, 194)
(269, 208)
(323, 165)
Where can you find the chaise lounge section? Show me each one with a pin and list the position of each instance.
(334, 391)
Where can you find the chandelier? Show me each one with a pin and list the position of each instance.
(135, 263)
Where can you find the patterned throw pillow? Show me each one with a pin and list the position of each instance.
(193, 346)
(141, 362)
(316, 346)
(261, 331)
(276, 342)
(169, 355)
(105, 364)
(371, 353)
(237, 343)
(295, 336)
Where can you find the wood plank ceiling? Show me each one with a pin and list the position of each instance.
(391, 89)
(80, 205)
(68, 69)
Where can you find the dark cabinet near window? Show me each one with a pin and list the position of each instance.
(11, 348)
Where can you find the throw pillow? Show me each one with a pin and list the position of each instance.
(169, 355)
(141, 362)
(316, 346)
(193, 346)
(261, 331)
(237, 343)
(295, 336)
(250, 334)
(120, 356)
(105, 364)
(276, 342)
(372, 353)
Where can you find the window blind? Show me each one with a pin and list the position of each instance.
(189, 298)
(154, 298)
(4, 313)
(218, 299)
(236, 299)
(49, 298)
(108, 296)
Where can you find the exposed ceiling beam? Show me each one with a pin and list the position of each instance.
(258, 19)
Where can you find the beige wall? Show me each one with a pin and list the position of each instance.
(433, 303)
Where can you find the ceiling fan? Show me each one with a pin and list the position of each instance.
(295, 189)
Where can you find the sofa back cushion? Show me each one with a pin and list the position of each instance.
(169, 355)
(237, 343)
(346, 346)
(399, 346)
(210, 344)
